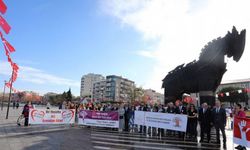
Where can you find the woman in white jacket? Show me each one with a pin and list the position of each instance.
(121, 112)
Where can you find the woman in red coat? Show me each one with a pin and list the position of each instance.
(25, 113)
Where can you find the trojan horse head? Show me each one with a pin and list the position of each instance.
(235, 42)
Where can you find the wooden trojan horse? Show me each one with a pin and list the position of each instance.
(204, 76)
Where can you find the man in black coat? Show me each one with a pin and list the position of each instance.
(219, 122)
(171, 108)
(126, 117)
(205, 120)
(180, 109)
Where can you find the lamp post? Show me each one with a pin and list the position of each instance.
(3, 94)
(11, 81)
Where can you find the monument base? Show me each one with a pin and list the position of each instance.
(208, 97)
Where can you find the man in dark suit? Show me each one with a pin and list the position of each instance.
(205, 120)
(219, 122)
(171, 108)
(180, 109)
(126, 117)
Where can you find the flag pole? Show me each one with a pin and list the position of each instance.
(11, 81)
(3, 94)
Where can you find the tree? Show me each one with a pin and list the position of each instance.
(232, 95)
(64, 95)
(55, 99)
(136, 94)
(69, 95)
(20, 95)
(59, 98)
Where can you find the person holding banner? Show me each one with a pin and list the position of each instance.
(171, 110)
(192, 122)
(25, 113)
(180, 109)
(121, 112)
(131, 118)
(143, 108)
(240, 114)
(126, 117)
(161, 109)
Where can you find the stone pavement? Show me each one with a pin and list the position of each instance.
(37, 137)
(63, 137)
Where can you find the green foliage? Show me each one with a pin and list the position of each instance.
(21, 95)
(59, 98)
(230, 89)
(69, 95)
(234, 95)
(55, 99)
(136, 94)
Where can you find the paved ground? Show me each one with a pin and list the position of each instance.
(61, 137)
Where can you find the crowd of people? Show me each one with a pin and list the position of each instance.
(205, 116)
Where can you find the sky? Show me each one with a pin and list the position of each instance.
(58, 41)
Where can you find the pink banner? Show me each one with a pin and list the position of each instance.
(99, 118)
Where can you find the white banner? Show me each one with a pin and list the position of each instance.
(51, 116)
(175, 122)
(139, 118)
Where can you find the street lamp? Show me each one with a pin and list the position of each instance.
(11, 82)
(3, 94)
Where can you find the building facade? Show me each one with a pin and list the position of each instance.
(114, 88)
(87, 82)
(119, 88)
(99, 89)
(153, 96)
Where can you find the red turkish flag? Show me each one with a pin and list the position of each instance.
(9, 46)
(9, 59)
(3, 7)
(7, 84)
(15, 67)
(4, 24)
(7, 53)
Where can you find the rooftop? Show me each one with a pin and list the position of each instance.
(235, 81)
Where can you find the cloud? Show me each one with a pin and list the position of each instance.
(144, 53)
(182, 28)
(37, 76)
